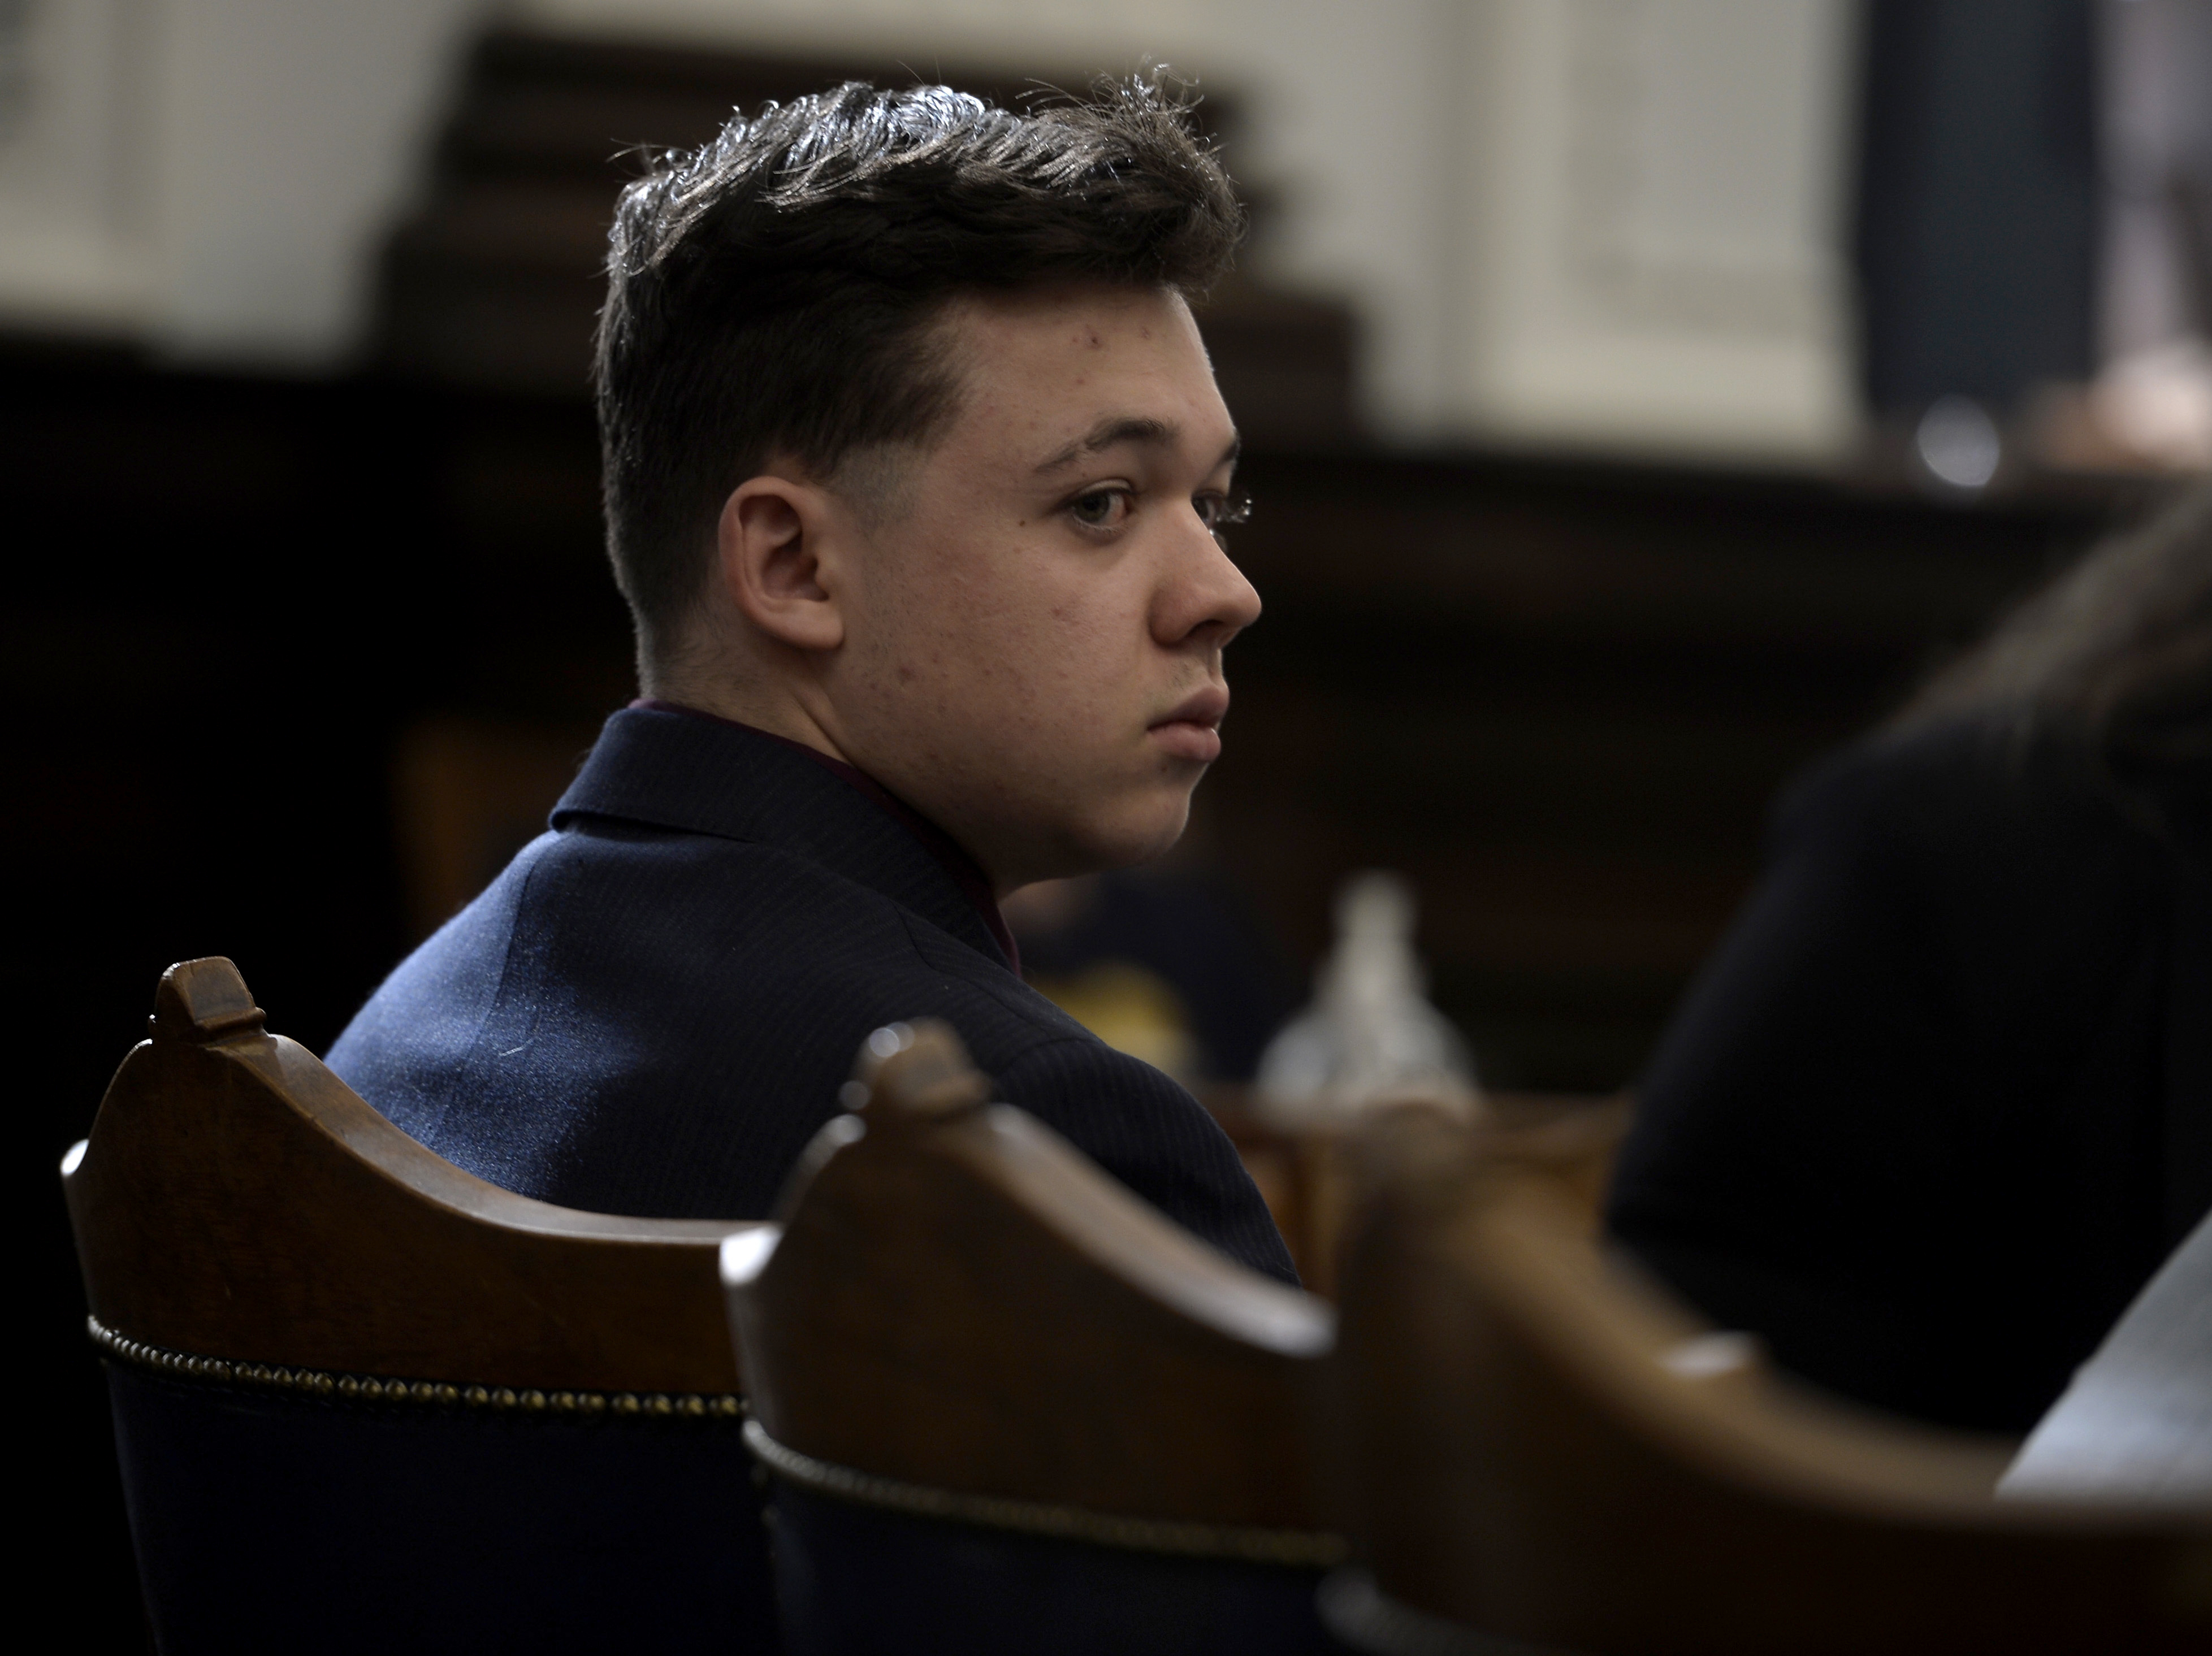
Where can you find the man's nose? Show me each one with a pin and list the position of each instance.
(1208, 596)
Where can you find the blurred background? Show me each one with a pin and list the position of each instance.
(1640, 397)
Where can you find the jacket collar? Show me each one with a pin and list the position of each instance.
(672, 768)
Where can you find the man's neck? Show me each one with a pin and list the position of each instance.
(775, 710)
(780, 716)
(966, 873)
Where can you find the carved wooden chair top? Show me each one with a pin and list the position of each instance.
(1535, 1443)
(365, 1401)
(964, 1317)
(238, 1207)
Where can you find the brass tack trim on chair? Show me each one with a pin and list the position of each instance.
(378, 1388)
(1305, 1548)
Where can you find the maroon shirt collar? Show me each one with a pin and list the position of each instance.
(966, 873)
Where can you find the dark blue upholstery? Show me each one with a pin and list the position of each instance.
(856, 1581)
(271, 1522)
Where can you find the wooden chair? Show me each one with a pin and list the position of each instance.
(365, 1401)
(1536, 1448)
(1008, 1407)
(1307, 1175)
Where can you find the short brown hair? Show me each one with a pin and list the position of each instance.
(772, 291)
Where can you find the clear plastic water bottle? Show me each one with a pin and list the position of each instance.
(1370, 1036)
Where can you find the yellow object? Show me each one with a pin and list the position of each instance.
(1130, 1010)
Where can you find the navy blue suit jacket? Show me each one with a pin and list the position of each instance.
(651, 1011)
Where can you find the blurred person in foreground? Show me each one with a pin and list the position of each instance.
(915, 480)
(1942, 1101)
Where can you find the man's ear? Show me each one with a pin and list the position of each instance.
(782, 548)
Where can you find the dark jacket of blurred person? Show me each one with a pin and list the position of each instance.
(917, 477)
(1942, 1101)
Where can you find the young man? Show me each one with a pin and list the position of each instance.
(916, 474)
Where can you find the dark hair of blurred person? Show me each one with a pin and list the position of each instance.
(915, 477)
(2109, 667)
(1941, 1102)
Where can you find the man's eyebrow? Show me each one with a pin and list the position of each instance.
(1114, 428)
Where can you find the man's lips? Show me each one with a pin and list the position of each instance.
(1192, 729)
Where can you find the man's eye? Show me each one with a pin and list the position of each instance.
(1102, 508)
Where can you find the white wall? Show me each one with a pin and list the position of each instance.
(1605, 223)
(1584, 221)
(74, 196)
(294, 129)
(1652, 226)
(213, 175)
(1340, 100)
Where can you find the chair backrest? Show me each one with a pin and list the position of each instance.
(1537, 1444)
(1011, 1406)
(1307, 1175)
(334, 1351)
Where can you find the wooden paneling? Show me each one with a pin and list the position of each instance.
(1561, 698)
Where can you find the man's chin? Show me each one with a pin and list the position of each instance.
(1128, 832)
(1141, 836)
